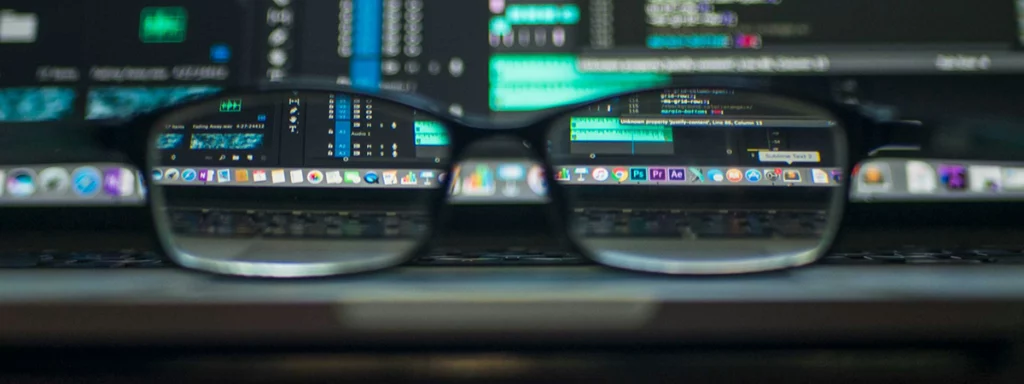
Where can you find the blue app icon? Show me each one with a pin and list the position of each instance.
(371, 178)
(716, 175)
(220, 53)
(511, 172)
(86, 181)
(638, 174)
(189, 175)
(753, 175)
(157, 175)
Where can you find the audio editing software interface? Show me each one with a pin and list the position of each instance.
(95, 59)
(92, 60)
(339, 140)
(701, 124)
(87, 60)
(306, 139)
(676, 137)
(507, 56)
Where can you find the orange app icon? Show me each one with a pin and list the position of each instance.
(874, 175)
(734, 175)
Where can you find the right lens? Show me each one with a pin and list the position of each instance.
(295, 184)
(702, 181)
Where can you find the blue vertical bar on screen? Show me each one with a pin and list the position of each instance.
(366, 40)
(342, 125)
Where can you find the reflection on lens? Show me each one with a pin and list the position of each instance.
(296, 184)
(701, 181)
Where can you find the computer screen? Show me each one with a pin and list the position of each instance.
(81, 60)
(110, 59)
(511, 55)
(305, 139)
(94, 59)
(652, 141)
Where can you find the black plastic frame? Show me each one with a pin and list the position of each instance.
(860, 134)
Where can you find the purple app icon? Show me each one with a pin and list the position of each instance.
(205, 175)
(112, 181)
(677, 174)
(837, 176)
(658, 174)
(954, 177)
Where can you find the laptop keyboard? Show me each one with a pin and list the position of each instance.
(286, 224)
(517, 257)
(688, 224)
(83, 259)
(988, 255)
(700, 224)
(610, 223)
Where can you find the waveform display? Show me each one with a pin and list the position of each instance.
(430, 133)
(609, 129)
(123, 102)
(534, 14)
(525, 82)
(703, 41)
(19, 105)
(227, 141)
(170, 141)
(234, 105)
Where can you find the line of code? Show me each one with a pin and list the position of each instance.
(701, 24)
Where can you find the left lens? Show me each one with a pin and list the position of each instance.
(701, 181)
(295, 184)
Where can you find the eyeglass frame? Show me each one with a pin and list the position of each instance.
(856, 135)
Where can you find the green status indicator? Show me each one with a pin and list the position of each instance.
(231, 106)
(163, 25)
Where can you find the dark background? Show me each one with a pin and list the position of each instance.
(105, 32)
(877, 22)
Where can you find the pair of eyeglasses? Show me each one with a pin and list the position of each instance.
(303, 180)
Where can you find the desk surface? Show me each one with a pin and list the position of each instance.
(518, 305)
